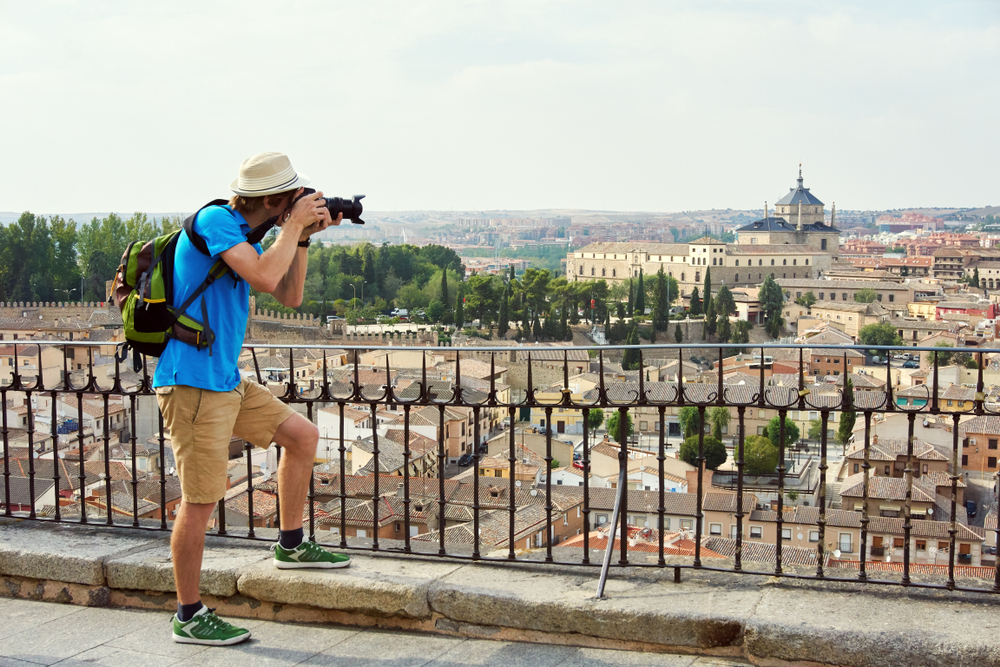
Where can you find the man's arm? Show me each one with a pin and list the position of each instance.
(289, 289)
(267, 271)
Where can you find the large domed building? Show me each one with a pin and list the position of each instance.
(799, 219)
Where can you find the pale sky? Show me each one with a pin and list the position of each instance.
(656, 106)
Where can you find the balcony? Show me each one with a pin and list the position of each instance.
(877, 552)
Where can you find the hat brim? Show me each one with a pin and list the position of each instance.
(301, 180)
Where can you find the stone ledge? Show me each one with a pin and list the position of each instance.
(769, 621)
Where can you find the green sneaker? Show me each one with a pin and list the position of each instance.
(307, 554)
(208, 629)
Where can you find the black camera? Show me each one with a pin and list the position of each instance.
(351, 208)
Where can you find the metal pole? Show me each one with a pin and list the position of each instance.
(611, 533)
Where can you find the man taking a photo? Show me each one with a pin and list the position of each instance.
(205, 401)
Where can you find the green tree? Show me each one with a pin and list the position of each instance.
(615, 430)
(760, 456)
(815, 429)
(847, 416)
(772, 301)
(640, 297)
(706, 296)
(595, 417)
(774, 431)
(883, 333)
(808, 300)
(630, 358)
(975, 277)
(695, 308)
(503, 318)
(690, 421)
(459, 308)
(712, 448)
(631, 299)
(678, 334)
(741, 332)
(719, 418)
(942, 358)
(866, 295)
(710, 317)
(444, 287)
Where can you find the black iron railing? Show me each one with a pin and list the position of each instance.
(528, 505)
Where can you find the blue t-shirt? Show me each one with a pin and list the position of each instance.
(228, 306)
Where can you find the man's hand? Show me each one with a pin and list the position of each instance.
(307, 212)
(320, 225)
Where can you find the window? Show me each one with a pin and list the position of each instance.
(844, 544)
(991, 462)
(362, 532)
(685, 524)
(737, 262)
(756, 531)
(856, 467)
(614, 272)
(760, 262)
(715, 529)
(992, 443)
(581, 269)
(592, 269)
(794, 262)
(737, 279)
(603, 272)
(822, 246)
(921, 545)
(965, 459)
(772, 262)
(892, 297)
(784, 262)
(786, 533)
(807, 262)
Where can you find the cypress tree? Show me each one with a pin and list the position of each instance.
(631, 295)
(695, 303)
(652, 336)
(706, 295)
(536, 328)
(640, 296)
(444, 287)
(678, 334)
(459, 309)
(503, 318)
(710, 316)
(564, 331)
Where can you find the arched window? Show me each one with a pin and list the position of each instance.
(592, 270)
(760, 262)
(581, 269)
(807, 262)
(737, 262)
(737, 278)
(772, 262)
(604, 272)
(682, 278)
(614, 273)
(784, 262)
(794, 261)
(697, 276)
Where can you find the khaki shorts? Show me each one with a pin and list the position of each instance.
(201, 424)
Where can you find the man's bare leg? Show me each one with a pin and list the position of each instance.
(298, 438)
(187, 544)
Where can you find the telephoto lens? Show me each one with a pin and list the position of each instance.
(351, 208)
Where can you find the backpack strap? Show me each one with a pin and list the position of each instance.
(196, 240)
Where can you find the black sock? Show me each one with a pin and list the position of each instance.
(290, 539)
(186, 611)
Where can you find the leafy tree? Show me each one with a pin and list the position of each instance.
(774, 431)
(741, 332)
(714, 451)
(719, 418)
(678, 334)
(760, 456)
(942, 358)
(808, 300)
(815, 429)
(695, 309)
(883, 333)
(595, 417)
(866, 295)
(772, 301)
(614, 429)
(640, 296)
(690, 421)
(848, 416)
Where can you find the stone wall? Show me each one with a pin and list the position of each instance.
(49, 310)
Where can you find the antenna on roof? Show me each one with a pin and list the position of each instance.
(765, 211)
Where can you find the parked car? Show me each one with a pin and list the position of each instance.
(466, 460)
(970, 508)
(910, 364)
(542, 430)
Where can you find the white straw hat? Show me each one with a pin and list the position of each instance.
(267, 174)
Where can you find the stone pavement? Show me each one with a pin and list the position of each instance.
(44, 633)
